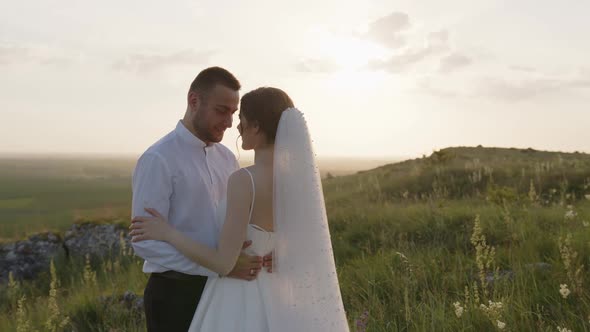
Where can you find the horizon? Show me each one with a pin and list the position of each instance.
(249, 154)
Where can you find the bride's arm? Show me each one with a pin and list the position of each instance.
(233, 233)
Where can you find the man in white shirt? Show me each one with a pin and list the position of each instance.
(184, 176)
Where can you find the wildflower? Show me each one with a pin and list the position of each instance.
(585, 223)
(484, 253)
(563, 329)
(13, 286)
(89, 275)
(122, 244)
(458, 309)
(406, 261)
(492, 307)
(22, 324)
(570, 214)
(532, 192)
(56, 320)
(569, 258)
(494, 312)
(564, 291)
(361, 322)
(467, 296)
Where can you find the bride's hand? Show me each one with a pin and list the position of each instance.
(150, 228)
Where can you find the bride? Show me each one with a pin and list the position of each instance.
(278, 204)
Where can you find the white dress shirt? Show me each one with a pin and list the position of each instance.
(185, 180)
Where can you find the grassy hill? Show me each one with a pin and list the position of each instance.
(464, 172)
(463, 227)
(466, 239)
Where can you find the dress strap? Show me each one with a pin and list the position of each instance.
(253, 194)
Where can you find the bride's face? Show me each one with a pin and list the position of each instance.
(249, 133)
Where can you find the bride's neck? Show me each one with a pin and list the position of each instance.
(264, 156)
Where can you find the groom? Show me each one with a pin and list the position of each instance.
(184, 176)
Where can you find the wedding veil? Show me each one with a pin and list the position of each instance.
(306, 294)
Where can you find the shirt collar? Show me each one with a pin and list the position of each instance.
(189, 137)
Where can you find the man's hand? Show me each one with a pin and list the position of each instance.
(247, 267)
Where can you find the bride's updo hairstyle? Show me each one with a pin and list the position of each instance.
(264, 106)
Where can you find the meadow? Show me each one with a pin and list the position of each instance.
(466, 239)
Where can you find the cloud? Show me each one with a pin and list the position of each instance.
(529, 88)
(503, 89)
(438, 39)
(388, 30)
(436, 43)
(454, 61)
(525, 69)
(316, 66)
(11, 54)
(147, 63)
(425, 86)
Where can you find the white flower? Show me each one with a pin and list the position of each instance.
(458, 309)
(570, 214)
(492, 307)
(501, 325)
(585, 223)
(563, 329)
(565, 292)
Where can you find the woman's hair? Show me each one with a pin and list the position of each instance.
(264, 106)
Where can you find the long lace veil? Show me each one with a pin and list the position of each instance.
(306, 294)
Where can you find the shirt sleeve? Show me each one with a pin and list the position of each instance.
(152, 187)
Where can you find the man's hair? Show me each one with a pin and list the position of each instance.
(210, 77)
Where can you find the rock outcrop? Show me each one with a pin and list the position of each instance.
(27, 258)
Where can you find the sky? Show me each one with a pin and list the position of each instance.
(375, 79)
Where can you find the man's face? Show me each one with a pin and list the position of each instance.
(215, 113)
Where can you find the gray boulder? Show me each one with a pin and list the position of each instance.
(97, 240)
(26, 258)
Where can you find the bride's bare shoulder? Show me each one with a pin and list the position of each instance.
(239, 181)
(239, 189)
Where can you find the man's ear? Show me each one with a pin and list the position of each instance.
(193, 99)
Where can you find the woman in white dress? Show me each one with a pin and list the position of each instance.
(278, 204)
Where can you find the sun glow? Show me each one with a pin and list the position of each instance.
(346, 52)
(357, 80)
(347, 59)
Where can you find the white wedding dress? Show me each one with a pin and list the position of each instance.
(229, 304)
(302, 294)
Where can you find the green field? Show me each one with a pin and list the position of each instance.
(422, 245)
(40, 194)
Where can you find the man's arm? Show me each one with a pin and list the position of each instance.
(152, 188)
(233, 234)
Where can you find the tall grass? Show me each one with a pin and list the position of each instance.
(461, 241)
